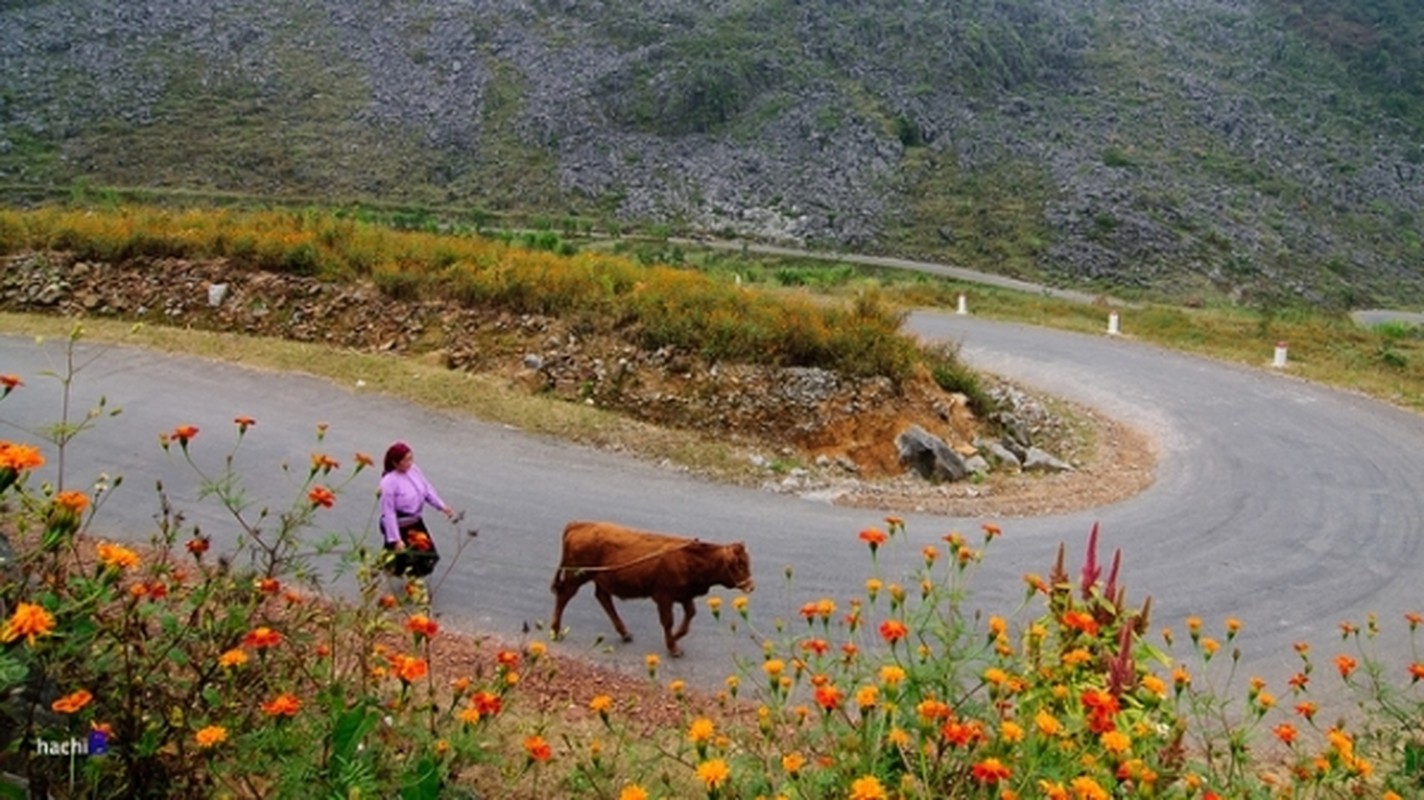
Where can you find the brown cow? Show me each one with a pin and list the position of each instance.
(627, 564)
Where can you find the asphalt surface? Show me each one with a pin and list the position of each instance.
(1286, 505)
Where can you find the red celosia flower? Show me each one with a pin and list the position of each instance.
(321, 496)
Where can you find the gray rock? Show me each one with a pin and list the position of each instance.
(929, 456)
(1038, 460)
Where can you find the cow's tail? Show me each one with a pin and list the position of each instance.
(561, 574)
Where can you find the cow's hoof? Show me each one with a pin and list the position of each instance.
(676, 652)
(627, 637)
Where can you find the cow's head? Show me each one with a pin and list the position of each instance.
(738, 572)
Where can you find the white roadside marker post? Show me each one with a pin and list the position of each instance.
(1113, 329)
(1280, 357)
(963, 305)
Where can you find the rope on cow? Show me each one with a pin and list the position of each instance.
(625, 565)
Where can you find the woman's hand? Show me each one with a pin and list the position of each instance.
(449, 512)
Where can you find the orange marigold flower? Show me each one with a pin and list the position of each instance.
(1116, 742)
(1305, 709)
(387, 601)
(409, 668)
(364, 460)
(11, 382)
(792, 763)
(20, 457)
(1285, 732)
(873, 537)
(1345, 665)
(509, 659)
(117, 556)
(73, 501)
(72, 702)
(243, 423)
(1414, 618)
(1299, 681)
(268, 585)
(867, 788)
(991, 771)
(932, 709)
(701, 730)
(283, 705)
(991, 529)
(818, 646)
(28, 620)
(891, 675)
(714, 773)
(601, 705)
(893, 630)
(211, 736)
(1416, 671)
(235, 657)
(261, 637)
(324, 463)
(537, 748)
(1047, 724)
(184, 434)
(199, 545)
(633, 792)
(1081, 621)
(421, 625)
(1085, 788)
(321, 496)
(487, 703)
(828, 697)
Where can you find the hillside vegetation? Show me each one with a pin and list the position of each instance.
(1202, 151)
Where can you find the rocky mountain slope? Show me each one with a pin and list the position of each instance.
(1248, 150)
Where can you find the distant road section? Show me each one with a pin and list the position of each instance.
(942, 270)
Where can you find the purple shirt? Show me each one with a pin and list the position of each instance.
(404, 494)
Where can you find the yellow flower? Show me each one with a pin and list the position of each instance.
(1155, 685)
(1116, 742)
(701, 730)
(1011, 731)
(773, 667)
(235, 657)
(29, 621)
(676, 686)
(72, 501)
(714, 773)
(891, 675)
(740, 604)
(792, 763)
(601, 704)
(211, 736)
(117, 556)
(1085, 788)
(898, 737)
(633, 792)
(867, 788)
(867, 697)
(1047, 724)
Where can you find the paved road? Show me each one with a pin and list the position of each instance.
(1287, 505)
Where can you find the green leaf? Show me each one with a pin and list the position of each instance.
(422, 781)
(12, 673)
(350, 729)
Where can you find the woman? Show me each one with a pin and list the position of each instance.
(404, 493)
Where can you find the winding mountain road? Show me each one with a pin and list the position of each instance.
(1287, 505)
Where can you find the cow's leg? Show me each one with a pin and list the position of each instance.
(689, 609)
(606, 600)
(665, 617)
(565, 587)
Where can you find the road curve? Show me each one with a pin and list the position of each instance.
(1284, 504)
